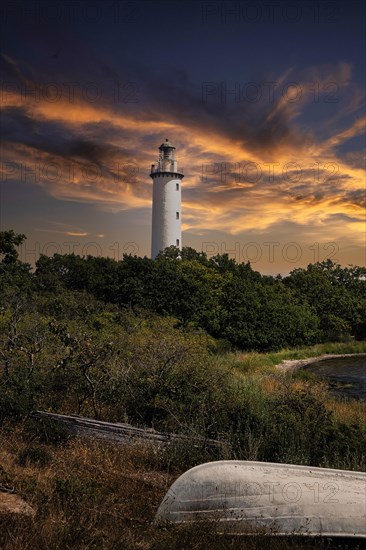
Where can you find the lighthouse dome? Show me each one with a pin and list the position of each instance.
(166, 145)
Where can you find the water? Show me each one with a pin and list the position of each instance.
(346, 375)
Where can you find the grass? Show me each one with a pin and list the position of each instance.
(97, 495)
(350, 411)
(88, 495)
(263, 362)
(260, 380)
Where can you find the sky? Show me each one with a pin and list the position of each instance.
(264, 102)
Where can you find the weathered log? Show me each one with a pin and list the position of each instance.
(118, 432)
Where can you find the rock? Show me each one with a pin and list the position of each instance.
(14, 504)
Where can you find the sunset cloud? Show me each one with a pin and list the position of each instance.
(249, 167)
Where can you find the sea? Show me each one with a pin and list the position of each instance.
(346, 375)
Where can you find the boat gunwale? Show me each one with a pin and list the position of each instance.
(329, 471)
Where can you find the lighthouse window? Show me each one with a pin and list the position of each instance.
(177, 242)
(177, 215)
(177, 186)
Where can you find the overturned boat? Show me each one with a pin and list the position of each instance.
(282, 499)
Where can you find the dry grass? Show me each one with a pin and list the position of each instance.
(347, 410)
(85, 494)
(97, 495)
(261, 368)
(94, 495)
(270, 385)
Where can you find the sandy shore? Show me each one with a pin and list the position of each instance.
(290, 365)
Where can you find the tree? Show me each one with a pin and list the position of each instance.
(13, 273)
(338, 295)
(9, 240)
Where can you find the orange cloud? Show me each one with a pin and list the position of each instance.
(230, 204)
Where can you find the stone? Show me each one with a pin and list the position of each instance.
(11, 503)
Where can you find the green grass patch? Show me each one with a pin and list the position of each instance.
(254, 362)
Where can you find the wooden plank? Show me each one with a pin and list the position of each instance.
(118, 432)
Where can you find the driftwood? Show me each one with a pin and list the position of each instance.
(119, 432)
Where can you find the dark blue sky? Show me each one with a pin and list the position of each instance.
(103, 83)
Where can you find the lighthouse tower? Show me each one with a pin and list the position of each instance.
(166, 212)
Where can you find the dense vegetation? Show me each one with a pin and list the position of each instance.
(169, 344)
(230, 301)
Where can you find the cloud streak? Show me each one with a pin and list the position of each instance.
(248, 166)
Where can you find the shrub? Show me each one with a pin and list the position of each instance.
(47, 430)
(298, 428)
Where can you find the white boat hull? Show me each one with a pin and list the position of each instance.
(282, 498)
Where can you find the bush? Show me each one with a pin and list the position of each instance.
(16, 395)
(47, 430)
(298, 428)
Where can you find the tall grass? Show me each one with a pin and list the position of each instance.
(282, 412)
(100, 496)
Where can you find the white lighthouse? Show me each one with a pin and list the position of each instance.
(166, 212)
